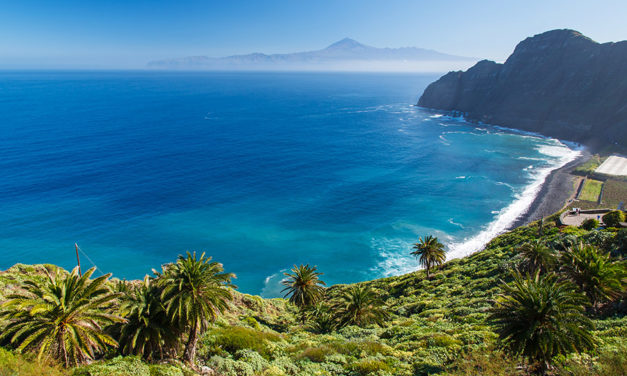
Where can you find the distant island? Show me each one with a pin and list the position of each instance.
(344, 55)
(559, 83)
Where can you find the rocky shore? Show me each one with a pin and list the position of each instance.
(557, 189)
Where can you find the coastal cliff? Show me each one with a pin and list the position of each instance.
(558, 83)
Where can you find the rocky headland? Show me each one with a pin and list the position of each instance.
(559, 83)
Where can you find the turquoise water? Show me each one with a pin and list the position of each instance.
(260, 170)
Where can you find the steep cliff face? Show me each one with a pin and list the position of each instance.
(559, 83)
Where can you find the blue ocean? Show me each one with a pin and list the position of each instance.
(259, 170)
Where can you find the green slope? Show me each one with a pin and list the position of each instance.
(436, 326)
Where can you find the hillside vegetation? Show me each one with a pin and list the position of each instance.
(409, 325)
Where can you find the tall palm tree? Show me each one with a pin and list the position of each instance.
(360, 305)
(429, 252)
(62, 317)
(303, 287)
(148, 331)
(541, 316)
(536, 257)
(195, 292)
(596, 274)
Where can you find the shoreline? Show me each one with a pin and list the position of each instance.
(556, 189)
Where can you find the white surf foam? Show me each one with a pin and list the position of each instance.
(396, 255)
(272, 286)
(507, 216)
(506, 185)
(451, 221)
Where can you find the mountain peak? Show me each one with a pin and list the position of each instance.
(346, 43)
(557, 38)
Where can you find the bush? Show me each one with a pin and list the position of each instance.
(601, 239)
(316, 354)
(120, 366)
(165, 370)
(620, 242)
(608, 363)
(236, 338)
(485, 364)
(16, 365)
(589, 224)
(426, 368)
(369, 366)
(570, 230)
(613, 218)
(443, 340)
(230, 367)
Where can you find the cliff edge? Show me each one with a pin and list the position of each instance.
(558, 83)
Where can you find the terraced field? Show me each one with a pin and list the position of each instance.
(591, 190)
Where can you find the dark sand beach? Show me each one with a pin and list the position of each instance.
(556, 190)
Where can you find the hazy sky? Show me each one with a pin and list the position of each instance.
(128, 33)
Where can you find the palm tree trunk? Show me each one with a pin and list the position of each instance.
(61, 341)
(303, 315)
(190, 347)
(428, 267)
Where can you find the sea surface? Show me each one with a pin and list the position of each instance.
(260, 170)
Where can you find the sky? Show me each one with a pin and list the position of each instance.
(129, 33)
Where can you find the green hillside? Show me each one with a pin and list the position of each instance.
(430, 326)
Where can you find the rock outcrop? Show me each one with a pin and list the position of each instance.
(558, 83)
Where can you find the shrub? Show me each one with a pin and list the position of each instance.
(165, 370)
(444, 340)
(620, 242)
(252, 358)
(236, 338)
(359, 348)
(610, 362)
(570, 230)
(613, 218)
(601, 239)
(368, 366)
(273, 371)
(426, 368)
(485, 364)
(120, 366)
(230, 367)
(589, 224)
(250, 321)
(316, 354)
(14, 364)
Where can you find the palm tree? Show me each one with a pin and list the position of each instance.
(322, 320)
(195, 292)
(359, 305)
(596, 274)
(540, 317)
(563, 242)
(62, 317)
(148, 331)
(303, 287)
(536, 257)
(429, 252)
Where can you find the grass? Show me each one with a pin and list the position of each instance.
(588, 167)
(12, 364)
(614, 192)
(591, 190)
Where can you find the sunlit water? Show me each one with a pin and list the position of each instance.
(260, 170)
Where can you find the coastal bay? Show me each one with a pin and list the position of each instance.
(313, 168)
